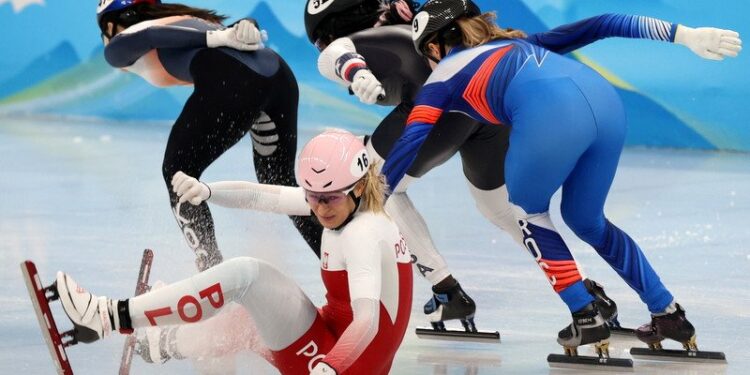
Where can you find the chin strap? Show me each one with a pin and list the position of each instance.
(349, 218)
(431, 58)
(441, 46)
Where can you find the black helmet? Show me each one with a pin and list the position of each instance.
(324, 18)
(437, 16)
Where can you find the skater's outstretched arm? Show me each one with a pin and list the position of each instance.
(285, 200)
(707, 42)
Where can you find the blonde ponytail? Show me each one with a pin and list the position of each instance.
(373, 197)
(482, 29)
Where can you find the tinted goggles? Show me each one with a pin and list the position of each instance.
(329, 198)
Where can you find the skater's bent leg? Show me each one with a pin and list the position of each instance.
(627, 259)
(280, 309)
(532, 178)
(584, 194)
(195, 222)
(553, 256)
(274, 147)
(425, 256)
(274, 136)
(449, 301)
(196, 141)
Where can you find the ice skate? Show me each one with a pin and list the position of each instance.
(450, 304)
(40, 299)
(588, 327)
(156, 344)
(608, 308)
(673, 325)
(89, 314)
(90, 321)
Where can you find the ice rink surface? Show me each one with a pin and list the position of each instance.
(87, 198)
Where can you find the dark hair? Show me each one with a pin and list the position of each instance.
(390, 14)
(143, 12)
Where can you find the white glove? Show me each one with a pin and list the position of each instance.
(243, 36)
(322, 369)
(329, 56)
(708, 42)
(189, 189)
(367, 88)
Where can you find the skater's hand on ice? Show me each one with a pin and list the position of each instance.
(322, 369)
(189, 189)
(708, 42)
(243, 36)
(367, 88)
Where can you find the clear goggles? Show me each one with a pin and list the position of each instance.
(329, 198)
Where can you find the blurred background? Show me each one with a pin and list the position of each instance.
(81, 188)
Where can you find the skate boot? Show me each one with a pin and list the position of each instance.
(452, 303)
(449, 304)
(607, 307)
(156, 344)
(588, 327)
(91, 315)
(671, 324)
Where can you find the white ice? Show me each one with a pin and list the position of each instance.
(86, 198)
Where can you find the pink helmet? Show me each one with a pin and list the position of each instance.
(332, 161)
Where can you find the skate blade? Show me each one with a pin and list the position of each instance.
(46, 321)
(141, 287)
(589, 362)
(490, 337)
(678, 355)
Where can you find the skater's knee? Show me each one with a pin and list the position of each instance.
(589, 229)
(501, 215)
(494, 205)
(243, 271)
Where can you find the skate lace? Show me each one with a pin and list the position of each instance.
(103, 309)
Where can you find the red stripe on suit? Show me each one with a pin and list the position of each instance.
(476, 92)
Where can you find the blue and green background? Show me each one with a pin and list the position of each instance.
(51, 66)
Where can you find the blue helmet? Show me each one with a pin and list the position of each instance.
(107, 6)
